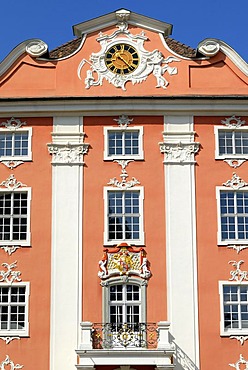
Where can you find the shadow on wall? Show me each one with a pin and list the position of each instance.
(181, 360)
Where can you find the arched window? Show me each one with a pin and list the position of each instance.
(124, 313)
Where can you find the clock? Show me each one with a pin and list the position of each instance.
(122, 59)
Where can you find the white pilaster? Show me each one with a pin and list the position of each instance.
(66, 259)
(179, 150)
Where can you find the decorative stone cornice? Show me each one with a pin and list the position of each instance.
(152, 62)
(235, 182)
(11, 183)
(179, 152)
(13, 124)
(10, 364)
(9, 276)
(68, 153)
(7, 340)
(240, 338)
(233, 122)
(241, 361)
(238, 275)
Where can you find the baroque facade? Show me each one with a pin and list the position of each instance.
(124, 201)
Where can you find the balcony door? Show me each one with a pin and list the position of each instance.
(124, 304)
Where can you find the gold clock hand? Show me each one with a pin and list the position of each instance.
(118, 55)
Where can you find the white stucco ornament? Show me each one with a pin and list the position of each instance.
(36, 48)
(119, 49)
(209, 48)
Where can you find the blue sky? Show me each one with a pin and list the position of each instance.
(193, 21)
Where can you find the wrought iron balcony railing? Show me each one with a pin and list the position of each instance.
(107, 336)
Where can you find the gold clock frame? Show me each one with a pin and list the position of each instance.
(122, 58)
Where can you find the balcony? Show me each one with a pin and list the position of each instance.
(125, 344)
(133, 335)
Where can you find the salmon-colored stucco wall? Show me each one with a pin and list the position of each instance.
(36, 78)
(97, 174)
(34, 262)
(216, 352)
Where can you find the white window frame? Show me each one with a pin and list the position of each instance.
(25, 331)
(107, 130)
(120, 281)
(28, 239)
(217, 130)
(219, 189)
(141, 240)
(228, 331)
(23, 158)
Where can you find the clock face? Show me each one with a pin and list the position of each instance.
(122, 59)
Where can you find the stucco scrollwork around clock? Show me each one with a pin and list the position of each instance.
(123, 58)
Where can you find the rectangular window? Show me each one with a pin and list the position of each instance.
(234, 308)
(14, 309)
(15, 144)
(14, 217)
(234, 216)
(124, 216)
(123, 143)
(231, 143)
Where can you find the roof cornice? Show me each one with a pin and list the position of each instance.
(210, 47)
(111, 19)
(34, 47)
